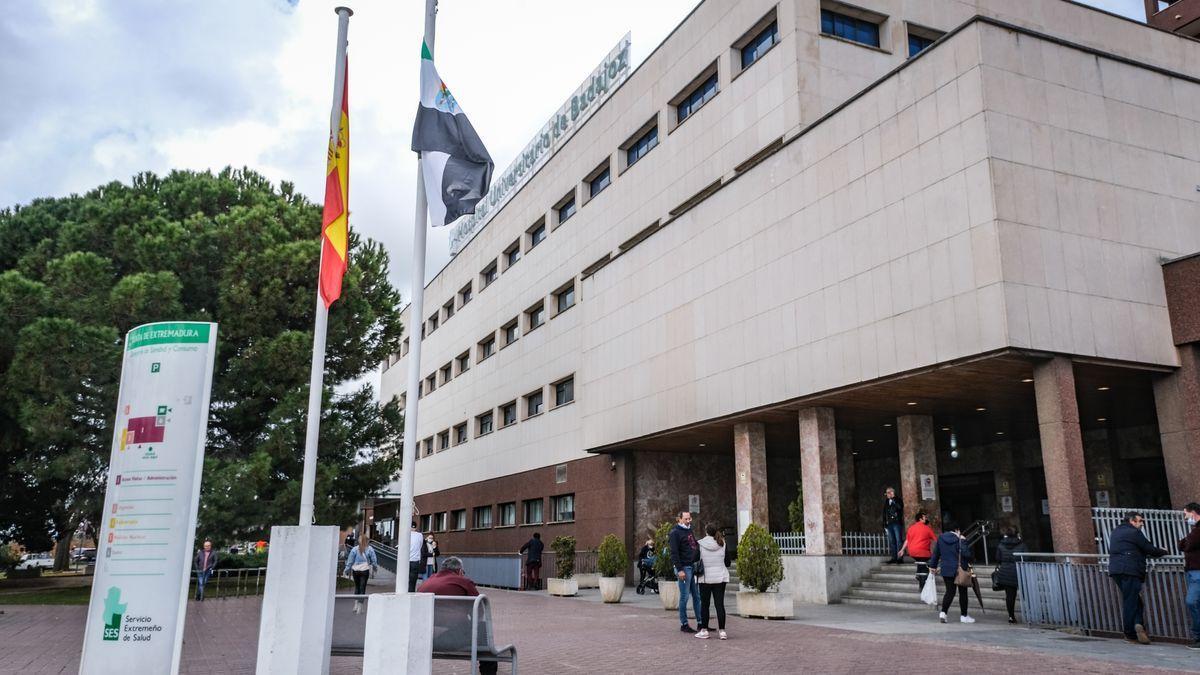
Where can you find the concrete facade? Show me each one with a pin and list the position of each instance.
(847, 228)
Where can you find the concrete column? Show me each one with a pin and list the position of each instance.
(750, 464)
(1062, 456)
(1177, 398)
(847, 482)
(918, 462)
(819, 478)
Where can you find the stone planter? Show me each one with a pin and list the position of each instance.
(769, 605)
(612, 588)
(588, 580)
(668, 592)
(562, 586)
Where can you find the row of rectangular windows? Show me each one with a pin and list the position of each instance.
(562, 510)
(751, 48)
(866, 27)
(535, 317)
(485, 423)
(837, 20)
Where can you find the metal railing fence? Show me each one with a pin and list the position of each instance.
(1163, 527)
(384, 554)
(853, 543)
(233, 583)
(1075, 591)
(585, 563)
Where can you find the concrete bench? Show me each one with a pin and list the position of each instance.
(462, 630)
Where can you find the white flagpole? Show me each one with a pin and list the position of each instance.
(321, 322)
(416, 316)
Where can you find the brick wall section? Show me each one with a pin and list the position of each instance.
(599, 491)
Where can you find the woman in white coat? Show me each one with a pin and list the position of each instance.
(713, 579)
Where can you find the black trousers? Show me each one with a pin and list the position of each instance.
(922, 570)
(1010, 601)
(414, 568)
(1131, 602)
(360, 582)
(963, 597)
(715, 593)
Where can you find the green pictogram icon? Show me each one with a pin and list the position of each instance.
(155, 367)
(114, 609)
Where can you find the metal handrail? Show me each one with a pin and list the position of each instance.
(977, 531)
(241, 581)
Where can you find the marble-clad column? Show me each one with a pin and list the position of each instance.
(1177, 400)
(750, 463)
(819, 478)
(1062, 456)
(918, 461)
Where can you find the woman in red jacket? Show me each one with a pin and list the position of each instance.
(918, 543)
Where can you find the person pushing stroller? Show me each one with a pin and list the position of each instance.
(646, 558)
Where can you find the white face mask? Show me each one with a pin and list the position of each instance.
(1191, 520)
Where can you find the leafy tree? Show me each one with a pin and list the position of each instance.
(80, 271)
(612, 558)
(759, 563)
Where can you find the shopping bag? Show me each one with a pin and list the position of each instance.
(929, 591)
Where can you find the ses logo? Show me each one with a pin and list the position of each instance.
(114, 611)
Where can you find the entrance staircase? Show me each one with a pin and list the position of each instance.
(896, 586)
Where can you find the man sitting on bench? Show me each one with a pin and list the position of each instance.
(451, 580)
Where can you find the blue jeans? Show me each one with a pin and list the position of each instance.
(1193, 602)
(895, 532)
(201, 579)
(688, 586)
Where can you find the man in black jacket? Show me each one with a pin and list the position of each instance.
(1190, 546)
(893, 523)
(1128, 549)
(685, 551)
(533, 563)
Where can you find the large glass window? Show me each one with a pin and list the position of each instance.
(702, 94)
(487, 347)
(508, 514)
(566, 210)
(562, 508)
(849, 28)
(601, 181)
(482, 518)
(538, 234)
(458, 519)
(488, 275)
(460, 434)
(484, 424)
(641, 146)
(759, 44)
(536, 316)
(426, 522)
(512, 331)
(533, 403)
(533, 511)
(508, 413)
(564, 392)
(439, 522)
(443, 440)
(917, 44)
(565, 298)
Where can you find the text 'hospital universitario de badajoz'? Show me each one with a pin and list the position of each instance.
(839, 237)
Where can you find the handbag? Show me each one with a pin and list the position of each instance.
(964, 574)
(698, 568)
(996, 580)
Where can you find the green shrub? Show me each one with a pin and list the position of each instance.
(662, 551)
(759, 563)
(237, 562)
(564, 556)
(612, 558)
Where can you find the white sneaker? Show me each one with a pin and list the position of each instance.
(702, 634)
(942, 617)
(966, 619)
(721, 634)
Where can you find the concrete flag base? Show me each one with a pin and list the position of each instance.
(297, 616)
(399, 634)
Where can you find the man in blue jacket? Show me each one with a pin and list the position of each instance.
(1128, 549)
(685, 551)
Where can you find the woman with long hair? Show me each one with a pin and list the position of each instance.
(361, 562)
(712, 580)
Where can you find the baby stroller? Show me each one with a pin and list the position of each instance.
(647, 580)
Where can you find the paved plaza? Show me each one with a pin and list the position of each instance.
(568, 635)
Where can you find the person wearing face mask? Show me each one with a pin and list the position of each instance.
(685, 552)
(1128, 549)
(431, 555)
(1190, 545)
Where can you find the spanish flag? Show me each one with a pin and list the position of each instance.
(334, 233)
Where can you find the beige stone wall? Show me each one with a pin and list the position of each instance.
(903, 231)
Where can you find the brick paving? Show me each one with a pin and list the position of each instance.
(563, 635)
